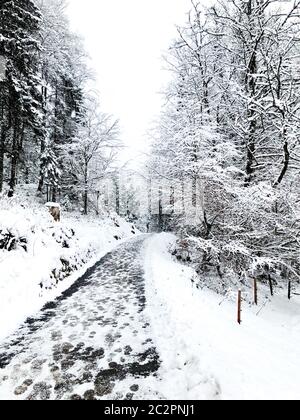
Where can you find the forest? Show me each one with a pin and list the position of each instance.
(52, 130)
(228, 139)
(226, 144)
(153, 267)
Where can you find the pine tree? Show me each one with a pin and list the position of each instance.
(50, 172)
(63, 74)
(20, 95)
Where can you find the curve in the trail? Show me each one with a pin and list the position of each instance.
(93, 342)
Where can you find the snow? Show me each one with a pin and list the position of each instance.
(205, 353)
(50, 204)
(104, 319)
(29, 279)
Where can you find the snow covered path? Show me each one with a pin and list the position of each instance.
(135, 327)
(95, 341)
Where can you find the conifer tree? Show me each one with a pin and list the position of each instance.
(20, 98)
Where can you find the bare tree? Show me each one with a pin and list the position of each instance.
(92, 153)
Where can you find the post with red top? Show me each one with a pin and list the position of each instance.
(239, 317)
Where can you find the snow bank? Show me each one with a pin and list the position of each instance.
(206, 353)
(39, 258)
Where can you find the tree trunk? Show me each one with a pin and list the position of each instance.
(43, 144)
(2, 154)
(117, 197)
(149, 198)
(86, 201)
(54, 194)
(3, 131)
(194, 193)
(251, 146)
(160, 210)
(41, 179)
(97, 205)
(207, 226)
(85, 195)
(183, 196)
(14, 162)
(13, 174)
(285, 164)
(251, 86)
(250, 160)
(172, 200)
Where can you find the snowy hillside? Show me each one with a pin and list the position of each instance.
(206, 354)
(40, 258)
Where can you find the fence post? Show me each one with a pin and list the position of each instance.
(290, 290)
(255, 292)
(239, 316)
(271, 286)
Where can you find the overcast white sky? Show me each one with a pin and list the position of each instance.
(126, 39)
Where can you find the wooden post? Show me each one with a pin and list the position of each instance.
(290, 290)
(255, 292)
(239, 317)
(271, 286)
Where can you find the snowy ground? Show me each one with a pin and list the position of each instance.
(134, 327)
(92, 342)
(204, 352)
(29, 279)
